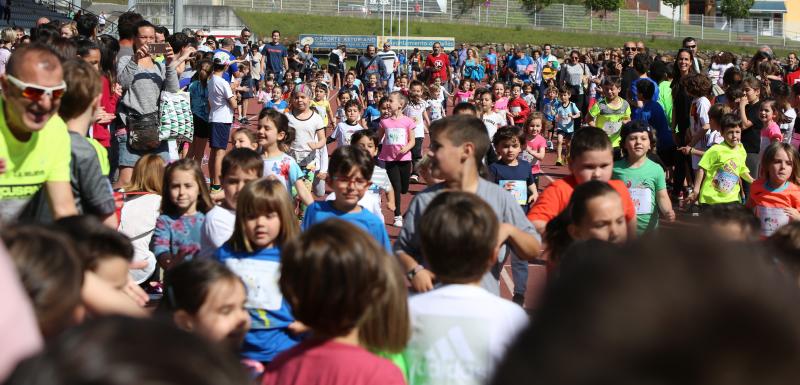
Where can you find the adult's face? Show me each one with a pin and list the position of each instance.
(370, 51)
(437, 48)
(691, 45)
(245, 37)
(144, 36)
(629, 50)
(386, 47)
(547, 50)
(684, 62)
(640, 47)
(29, 115)
(792, 60)
(200, 36)
(276, 37)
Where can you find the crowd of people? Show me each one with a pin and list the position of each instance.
(257, 251)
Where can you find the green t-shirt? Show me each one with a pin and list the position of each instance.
(643, 183)
(724, 167)
(102, 156)
(398, 359)
(45, 157)
(609, 119)
(665, 99)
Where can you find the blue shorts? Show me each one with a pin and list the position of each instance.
(127, 156)
(220, 133)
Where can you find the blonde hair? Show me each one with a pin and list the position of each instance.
(148, 175)
(259, 197)
(386, 327)
(8, 35)
(204, 203)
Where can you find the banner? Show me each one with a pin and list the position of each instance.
(421, 42)
(332, 41)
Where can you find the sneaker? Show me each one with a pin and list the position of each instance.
(398, 221)
(559, 162)
(518, 299)
(243, 120)
(550, 145)
(413, 179)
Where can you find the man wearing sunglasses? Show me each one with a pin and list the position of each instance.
(629, 74)
(691, 44)
(34, 143)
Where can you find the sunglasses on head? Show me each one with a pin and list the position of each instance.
(34, 92)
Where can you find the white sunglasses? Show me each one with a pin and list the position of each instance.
(34, 92)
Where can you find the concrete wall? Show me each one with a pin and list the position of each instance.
(209, 16)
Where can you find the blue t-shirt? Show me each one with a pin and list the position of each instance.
(564, 120)
(274, 54)
(491, 58)
(177, 234)
(549, 109)
(198, 99)
(634, 97)
(280, 106)
(519, 66)
(233, 68)
(270, 315)
(322, 211)
(652, 113)
(514, 179)
(371, 113)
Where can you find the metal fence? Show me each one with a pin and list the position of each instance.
(560, 17)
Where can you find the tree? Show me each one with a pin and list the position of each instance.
(535, 5)
(675, 4)
(736, 9)
(604, 5)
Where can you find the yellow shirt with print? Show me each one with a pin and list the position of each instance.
(45, 157)
(724, 168)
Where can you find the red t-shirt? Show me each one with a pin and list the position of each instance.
(108, 100)
(555, 198)
(331, 363)
(524, 110)
(440, 61)
(792, 78)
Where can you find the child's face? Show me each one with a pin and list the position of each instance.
(349, 188)
(751, 94)
(349, 80)
(445, 157)
(551, 95)
(637, 144)
(592, 165)
(564, 96)
(386, 110)
(395, 104)
(605, 220)
(506, 93)
(610, 91)
(437, 81)
(222, 317)
(262, 229)
(352, 113)
(373, 80)
(766, 113)
(465, 85)
(366, 144)
(536, 127)
(527, 90)
(516, 92)
(300, 101)
(113, 270)
(235, 182)
(183, 189)
(487, 104)
(508, 150)
(780, 169)
(268, 134)
(319, 94)
(344, 97)
(732, 136)
(498, 90)
(415, 92)
(403, 83)
(241, 140)
(277, 94)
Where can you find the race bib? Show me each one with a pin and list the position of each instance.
(771, 218)
(642, 200)
(516, 110)
(261, 280)
(397, 137)
(517, 188)
(725, 181)
(565, 120)
(464, 99)
(612, 128)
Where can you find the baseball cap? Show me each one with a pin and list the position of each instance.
(635, 126)
(222, 58)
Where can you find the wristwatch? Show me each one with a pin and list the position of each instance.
(411, 273)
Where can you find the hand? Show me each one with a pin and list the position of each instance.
(217, 196)
(168, 261)
(297, 327)
(135, 292)
(533, 196)
(117, 89)
(137, 265)
(170, 56)
(639, 103)
(142, 52)
(692, 197)
(669, 216)
(322, 176)
(686, 150)
(792, 213)
(423, 281)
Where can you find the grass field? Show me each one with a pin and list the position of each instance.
(292, 25)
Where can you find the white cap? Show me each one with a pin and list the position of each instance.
(222, 58)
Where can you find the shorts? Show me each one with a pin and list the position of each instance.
(202, 128)
(127, 156)
(566, 134)
(220, 133)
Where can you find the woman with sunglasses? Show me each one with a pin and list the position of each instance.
(576, 75)
(142, 80)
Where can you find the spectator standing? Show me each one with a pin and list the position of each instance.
(274, 58)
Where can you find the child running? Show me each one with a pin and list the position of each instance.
(611, 112)
(265, 222)
(397, 132)
(775, 195)
(535, 146)
(345, 129)
(274, 136)
(184, 203)
(309, 135)
(567, 113)
(770, 113)
(416, 110)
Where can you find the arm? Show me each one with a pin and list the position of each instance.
(525, 245)
(103, 299)
(665, 205)
(232, 102)
(320, 140)
(746, 123)
(126, 68)
(303, 193)
(62, 202)
(698, 183)
(411, 142)
(390, 203)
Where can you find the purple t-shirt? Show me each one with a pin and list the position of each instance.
(396, 134)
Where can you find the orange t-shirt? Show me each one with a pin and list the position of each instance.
(555, 198)
(764, 201)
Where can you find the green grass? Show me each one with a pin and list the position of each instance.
(292, 25)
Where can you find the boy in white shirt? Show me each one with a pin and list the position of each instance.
(459, 330)
(222, 103)
(239, 167)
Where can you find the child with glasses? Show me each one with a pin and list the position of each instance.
(351, 169)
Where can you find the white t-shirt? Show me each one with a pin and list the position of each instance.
(699, 118)
(305, 133)
(219, 91)
(459, 334)
(416, 112)
(137, 222)
(788, 128)
(493, 121)
(435, 108)
(344, 132)
(217, 230)
(389, 57)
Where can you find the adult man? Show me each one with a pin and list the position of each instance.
(42, 21)
(34, 142)
(521, 66)
(274, 58)
(629, 74)
(391, 62)
(126, 25)
(227, 46)
(87, 26)
(240, 45)
(547, 60)
(438, 64)
(370, 64)
(461, 59)
(691, 44)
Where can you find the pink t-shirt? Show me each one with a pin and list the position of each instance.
(463, 96)
(331, 363)
(538, 142)
(501, 104)
(770, 133)
(397, 132)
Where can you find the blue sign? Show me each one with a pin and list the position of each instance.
(423, 43)
(333, 41)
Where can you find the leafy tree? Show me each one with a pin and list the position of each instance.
(736, 9)
(604, 5)
(536, 5)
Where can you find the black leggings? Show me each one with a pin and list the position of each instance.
(398, 172)
(416, 154)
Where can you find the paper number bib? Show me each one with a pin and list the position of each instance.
(772, 218)
(725, 181)
(642, 200)
(517, 188)
(612, 128)
(397, 137)
(261, 280)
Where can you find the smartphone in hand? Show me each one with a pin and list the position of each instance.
(157, 48)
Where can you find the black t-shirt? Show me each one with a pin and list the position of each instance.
(751, 137)
(681, 105)
(629, 75)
